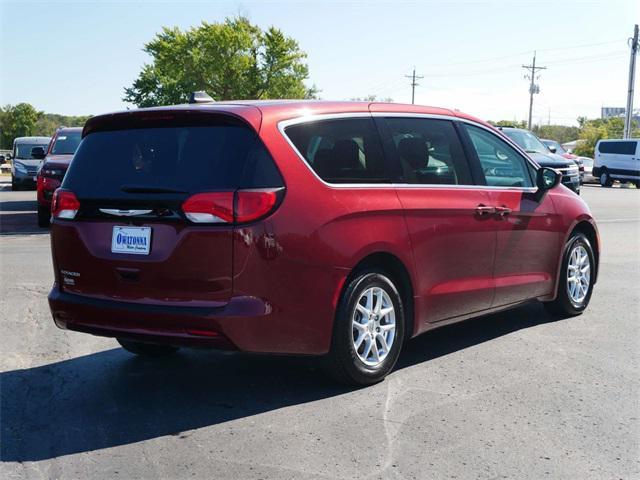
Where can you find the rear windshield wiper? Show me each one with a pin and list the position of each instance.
(148, 189)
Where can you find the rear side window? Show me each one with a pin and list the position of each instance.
(341, 150)
(186, 159)
(621, 148)
(429, 151)
(501, 164)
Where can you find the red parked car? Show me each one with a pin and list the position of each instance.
(50, 174)
(333, 229)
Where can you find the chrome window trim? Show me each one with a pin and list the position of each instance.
(283, 124)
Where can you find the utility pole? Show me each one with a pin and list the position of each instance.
(632, 73)
(413, 78)
(533, 88)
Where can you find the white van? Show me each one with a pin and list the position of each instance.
(617, 160)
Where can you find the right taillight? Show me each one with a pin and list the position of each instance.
(241, 206)
(65, 204)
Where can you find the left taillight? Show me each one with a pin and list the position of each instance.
(241, 206)
(64, 205)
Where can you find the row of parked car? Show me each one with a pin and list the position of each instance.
(42, 162)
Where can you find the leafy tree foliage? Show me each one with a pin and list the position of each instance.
(559, 133)
(23, 120)
(17, 121)
(229, 60)
(594, 130)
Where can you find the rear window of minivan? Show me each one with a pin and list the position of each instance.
(620, 148)
(180, 159)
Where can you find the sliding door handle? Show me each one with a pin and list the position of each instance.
(484, 210)
(503, 211)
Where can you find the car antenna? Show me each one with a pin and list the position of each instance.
(200, 97)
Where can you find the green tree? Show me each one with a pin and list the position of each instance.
(559, 133)
(509, 123)
(594, 130)
(229, 60)
(17, 121)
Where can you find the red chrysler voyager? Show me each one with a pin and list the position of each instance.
(331, 229)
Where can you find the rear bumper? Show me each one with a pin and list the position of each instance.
(220, 327)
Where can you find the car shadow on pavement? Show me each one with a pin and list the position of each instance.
(20, 217)
(112, 398)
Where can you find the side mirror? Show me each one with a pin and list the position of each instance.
(552, 149)
(38, 153)
(546, 179)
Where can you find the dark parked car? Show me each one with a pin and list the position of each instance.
(331, 229)
(60, 152)
(543, 157)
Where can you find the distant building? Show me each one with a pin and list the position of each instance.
(613, 112)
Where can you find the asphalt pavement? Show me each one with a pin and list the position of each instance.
(512, 395)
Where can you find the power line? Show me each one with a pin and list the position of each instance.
(413, 78)
(533, 88)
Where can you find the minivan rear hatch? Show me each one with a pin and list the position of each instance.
(146, 210)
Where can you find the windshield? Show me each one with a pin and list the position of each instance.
(66, 143)
(526, 140)
(23, 150)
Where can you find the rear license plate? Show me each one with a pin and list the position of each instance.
(134, 240)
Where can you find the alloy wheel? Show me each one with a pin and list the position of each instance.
(578, 275)
(373, 326)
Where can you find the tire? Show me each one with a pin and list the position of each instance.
(352, 365)
(605, 178)
(44, 217)
(568, 303)
(146, 349)
(14, 185)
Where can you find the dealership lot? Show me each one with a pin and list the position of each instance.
(516, 394)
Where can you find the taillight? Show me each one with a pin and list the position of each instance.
(228, 207)
(254, 204)
(64, 204)
(212, 207)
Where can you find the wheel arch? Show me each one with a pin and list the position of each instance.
(587, 228)
(391, 265)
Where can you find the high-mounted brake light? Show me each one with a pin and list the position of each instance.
(65, 204)
(228, 207)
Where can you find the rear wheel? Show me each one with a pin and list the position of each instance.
(44, 216)
(368, 330)
(576, 277)
(605, 178)
(146, 349)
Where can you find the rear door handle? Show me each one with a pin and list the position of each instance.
(484, 210)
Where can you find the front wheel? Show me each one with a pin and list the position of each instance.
(368, 330)
(146, 349)
(576, 278)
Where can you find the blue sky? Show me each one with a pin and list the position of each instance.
(77, 57)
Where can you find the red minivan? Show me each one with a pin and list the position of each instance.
(303, 227)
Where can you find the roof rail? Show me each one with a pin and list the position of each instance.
(200, 97)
